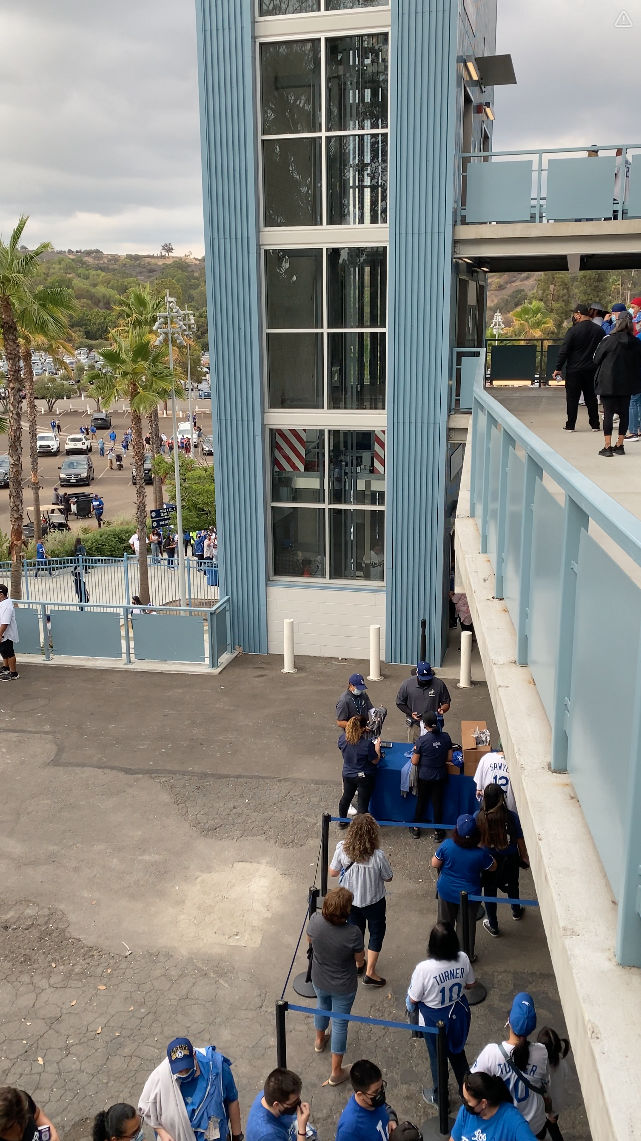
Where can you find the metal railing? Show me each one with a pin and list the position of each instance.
(575, 614)
(115, 581)
(125, 634)
(552, 184)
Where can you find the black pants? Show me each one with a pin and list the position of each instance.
(429, 791)
(505, 878)
(619, 405)
(575, 384)
(363, 786)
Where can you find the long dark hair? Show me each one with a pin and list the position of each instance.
(109, 1122)
(521, 1053)
(556, 1047)
(492, 819)
(488, 1087)
(624, 324)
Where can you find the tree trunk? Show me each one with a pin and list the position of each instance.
(156, 449)
(32, 417)
(141, 503)
(14, 385)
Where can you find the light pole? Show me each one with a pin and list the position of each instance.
(190, 327)
(170, 325)
(497, 325)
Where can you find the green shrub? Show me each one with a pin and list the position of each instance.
(110, 542)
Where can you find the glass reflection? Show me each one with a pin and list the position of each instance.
(291, 79)
(357, 287)
(357, 544)
(291, 182)
(357, 180)
(298, 465)
(298, 541)
(341, 5)
(357, 83)
(357, 370)
(295, 370)
(294, 288)
(357, 467)
(288, 7)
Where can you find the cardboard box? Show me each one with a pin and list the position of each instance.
(453, 770)
(472, 752)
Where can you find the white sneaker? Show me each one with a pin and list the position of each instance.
(351, 811)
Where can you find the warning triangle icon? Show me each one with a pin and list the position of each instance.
(623, 20)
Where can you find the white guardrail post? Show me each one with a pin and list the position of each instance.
(465, 681)
(289, 666)
(374, 654)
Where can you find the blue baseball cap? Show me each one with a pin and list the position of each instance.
(424, 671)
(523, 1014)
(358, 681)
(466, 825)
(180, 1053)
(619, 308)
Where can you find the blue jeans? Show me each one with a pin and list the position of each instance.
(343, 1004)
(635, 414)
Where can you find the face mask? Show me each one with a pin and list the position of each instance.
(476, 1112)
(186, 1077)
(290, 1110)
(139, 1135)
(377, 1099)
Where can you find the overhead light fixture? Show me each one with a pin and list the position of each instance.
(472, 70)
(487, 108)
(484, 268)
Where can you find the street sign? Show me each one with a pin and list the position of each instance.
(159, 516)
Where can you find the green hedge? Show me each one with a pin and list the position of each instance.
(110, 542)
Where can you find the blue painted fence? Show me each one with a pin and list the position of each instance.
(124, 633)
(577, 617)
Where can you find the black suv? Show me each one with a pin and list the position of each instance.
(147, 473)
(4, 471)
(101, 420)
(75, 470)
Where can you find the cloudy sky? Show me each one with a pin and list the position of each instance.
(99, 120)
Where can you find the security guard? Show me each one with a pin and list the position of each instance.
(354, 702)
(421, 693)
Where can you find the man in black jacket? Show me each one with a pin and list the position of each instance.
(576, 353)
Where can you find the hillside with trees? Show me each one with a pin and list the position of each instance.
(540, 304)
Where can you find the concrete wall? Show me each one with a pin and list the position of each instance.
(601, 1000)
(328, 621)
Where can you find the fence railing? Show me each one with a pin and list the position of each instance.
(551, 185)
(575, 612)
(115, 581)
(124, 633)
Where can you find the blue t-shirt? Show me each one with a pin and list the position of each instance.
(358, 1124)
(194, 1090)
(506, 1124)
(40, 551)
(265, 1126)
(357, 758)
(433, 750)
(461, 870)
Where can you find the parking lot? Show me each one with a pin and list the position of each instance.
(115, 487)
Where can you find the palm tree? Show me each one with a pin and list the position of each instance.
(532, 320)
(139, 374)
(42, 321)
(17, 268)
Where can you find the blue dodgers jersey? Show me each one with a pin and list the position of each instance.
(505, 1125)
(358, 1124)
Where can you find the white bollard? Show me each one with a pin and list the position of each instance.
(289, 666)
(466, 660)
(374, 654)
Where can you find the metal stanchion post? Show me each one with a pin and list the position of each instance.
(423, 650)
(302, 983)
(324, 852)
(281, 1034)
(477, 993)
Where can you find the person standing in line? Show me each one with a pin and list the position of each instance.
(355, 702)
(21, 1119)
(422, 693)
(617, 361)
(121, 1122)
(557, 1050)
(192, 1095)
(367, 1116)
(577, 353)
(360, 757)
(486, 1099)
(431, 754)
(338, 955)
(522, 1065)
(364, 868)
(155, 540)
(186, 542)
(169, 545)
(278, 1114)
(209, 549)
(460, 863)
(502, 837)
(492, 769)
(8, 636)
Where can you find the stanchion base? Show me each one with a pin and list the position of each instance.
(431, 1131)
(370, 678)
(289, 671)
(306, 990)
(476, 994)
(470, 686)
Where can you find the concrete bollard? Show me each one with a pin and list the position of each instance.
(289, 666)
(465, 681)
(374, 654)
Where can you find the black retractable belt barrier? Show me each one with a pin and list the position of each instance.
(324, 859)
(281, 1034)
(423, 650)
(302, 983)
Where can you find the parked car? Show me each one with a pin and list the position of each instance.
(48, 443)
(4, 471)
(101, 420)
(207, 445)
(79, 470)
(77, 445)
(147, 473)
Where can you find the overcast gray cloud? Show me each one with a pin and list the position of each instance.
(99, 109)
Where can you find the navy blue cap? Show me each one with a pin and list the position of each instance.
(180, 1053)
(358, 681)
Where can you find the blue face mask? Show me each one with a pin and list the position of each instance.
(186, 1077)
(139, 1135)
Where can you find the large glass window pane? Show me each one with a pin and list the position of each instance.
(291, 78)
(298, 541)
(357, 370)
(357, 467)
(357, 180)
(298, 465)
(295, 370)
(357, 544)
(357, 288)
(294, 289)
(291, 182)
(357, 83)
(288, 7)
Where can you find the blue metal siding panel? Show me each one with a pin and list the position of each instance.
(226, 86)
(422, 145)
